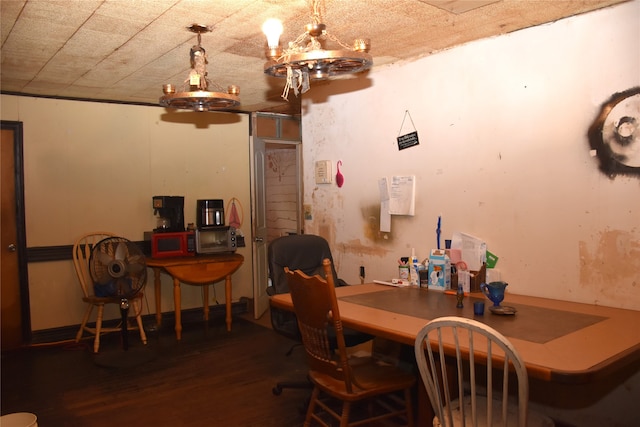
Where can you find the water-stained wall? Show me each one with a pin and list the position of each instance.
(503, 155)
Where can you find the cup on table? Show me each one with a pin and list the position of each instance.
(424, 278)
(478, 308)
(403, 272)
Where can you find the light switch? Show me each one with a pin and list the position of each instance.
(323, 172)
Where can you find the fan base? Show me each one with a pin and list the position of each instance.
(125, 358)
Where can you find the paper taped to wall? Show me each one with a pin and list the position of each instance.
(396, 198)
(402, 195)
(385, 214)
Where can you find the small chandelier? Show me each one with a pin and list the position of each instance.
(306, 59)
(195, 94)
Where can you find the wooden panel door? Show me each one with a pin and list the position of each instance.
(13, 285)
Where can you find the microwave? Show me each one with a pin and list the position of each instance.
(211, 240)
(173, 244)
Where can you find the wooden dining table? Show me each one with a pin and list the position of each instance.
(559, 341)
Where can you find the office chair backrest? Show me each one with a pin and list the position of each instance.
(316, 307)
(303, 252)
(444, 337)
(306, 253)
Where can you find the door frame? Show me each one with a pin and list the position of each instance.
(21, 233)
(260, 262)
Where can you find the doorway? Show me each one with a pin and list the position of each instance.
(282, 189)
(276, 192)
(14, 284)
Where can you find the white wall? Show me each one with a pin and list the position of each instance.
(96, 166)
(503, 155)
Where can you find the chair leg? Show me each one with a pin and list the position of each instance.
(85, 319)
(409, 407)
(137, 306)
(346, 412)
(96, 341)
(312, 405)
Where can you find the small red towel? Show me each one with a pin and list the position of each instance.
(234, 218)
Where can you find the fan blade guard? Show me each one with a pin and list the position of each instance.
(117, 267)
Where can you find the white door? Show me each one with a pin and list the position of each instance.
(259, 225)
(269, 133)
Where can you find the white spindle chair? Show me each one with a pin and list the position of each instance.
(452, 354)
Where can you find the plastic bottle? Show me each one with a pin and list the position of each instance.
(415, 274)
(459, 296)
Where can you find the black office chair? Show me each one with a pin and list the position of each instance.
(303, 252)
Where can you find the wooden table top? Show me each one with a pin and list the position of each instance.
(558, 340)
(196, 259)
(199, 269)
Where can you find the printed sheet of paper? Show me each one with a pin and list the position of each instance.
(385, 215)
(402, 195)
(473, 249)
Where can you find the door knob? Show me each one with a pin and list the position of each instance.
(258, 240)
(11, 247)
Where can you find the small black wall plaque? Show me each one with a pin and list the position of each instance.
(408, 140)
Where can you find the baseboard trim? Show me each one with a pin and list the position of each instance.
(192, 315)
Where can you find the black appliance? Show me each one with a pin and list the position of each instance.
(210, 213)
(170, 211)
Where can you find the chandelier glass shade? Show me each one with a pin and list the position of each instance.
(195, 94)
(306, 59)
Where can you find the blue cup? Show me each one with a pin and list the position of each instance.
(478, 308)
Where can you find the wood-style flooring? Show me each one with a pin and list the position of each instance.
(211, 378)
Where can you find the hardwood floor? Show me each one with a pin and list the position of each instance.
(211, 378)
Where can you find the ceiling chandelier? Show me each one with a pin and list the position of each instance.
(306, 59)
(195, 94)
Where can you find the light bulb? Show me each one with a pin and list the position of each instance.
(272, 28)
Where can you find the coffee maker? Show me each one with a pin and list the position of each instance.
(170, 211)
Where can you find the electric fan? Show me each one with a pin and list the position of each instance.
(118, 269)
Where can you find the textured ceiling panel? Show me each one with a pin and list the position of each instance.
(126, 50)
(459, 6)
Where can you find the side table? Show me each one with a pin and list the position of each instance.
(199, 270)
